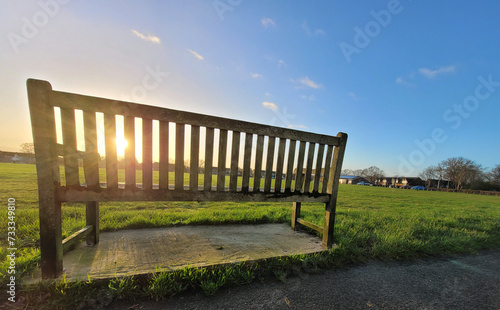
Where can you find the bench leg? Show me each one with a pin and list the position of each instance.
(295, 214)
(328, 226)
(92, 218)
(51, 238)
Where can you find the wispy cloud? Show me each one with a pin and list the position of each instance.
(306, 81)
(266, 22)
(149, 37)
(353, 95)
(256, 75)
(281, 63)
(309, 32)
(402, 81)
(432, 73)
(310, 97)
(270, 105)
(195, 54)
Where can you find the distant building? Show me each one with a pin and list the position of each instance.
(399, 181)
(352, 179)
(17, 158)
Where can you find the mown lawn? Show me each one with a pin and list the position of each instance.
(371, 222)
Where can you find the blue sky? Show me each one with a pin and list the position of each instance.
(411, 82)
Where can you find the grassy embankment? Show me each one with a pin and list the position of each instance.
(372, 223)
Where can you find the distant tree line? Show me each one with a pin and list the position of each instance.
(463, 173)
(372, 173)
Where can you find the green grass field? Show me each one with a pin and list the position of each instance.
(371, 222)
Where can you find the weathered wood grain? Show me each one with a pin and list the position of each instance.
(95, 104)
(279, 165)
(164, 156)
(209, 157)
(328, 162)
(289, 169)
(130, 169)
(221, 169)
(110, 145)
(179, 156)
(74, 195)
(271, 143)
(47, 168)
(195, 158)
(91, 162)
(333, 186)
(319, 163)
(310, 159)
(258, 163)
(147, 154)
(299, 178)
(235, 153)
(69, 141)
(245, 182)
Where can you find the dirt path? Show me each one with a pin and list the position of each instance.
(461, 282)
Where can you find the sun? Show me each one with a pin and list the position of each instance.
(121, 145)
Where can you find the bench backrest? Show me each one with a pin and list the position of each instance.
(312, 173)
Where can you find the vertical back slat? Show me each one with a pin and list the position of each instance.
(91, 161)
(289, 169)
(258, 163)
(300, 166)
(279, 165)
(164, 140)
(147, 154)
(269, 164)
(110, 144)
(221, 166)
(310, 159)
(245, 182)
(130, 170)
(319, 162)
(179, 156)
(195, 157)
(70, 154)
(328, 162)
(235, 154)
(209, 157)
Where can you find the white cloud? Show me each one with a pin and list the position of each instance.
(402, 81)
(266, 22)
(270, 105)
(306, 81)
(256, 75)
(432, 73)
(306, 28)
(195, 54)
(281, 63)
(149, 37)
(353, 95)
(310, 97)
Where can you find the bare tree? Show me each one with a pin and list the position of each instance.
(461, 170)
(494, 175)
(347, 172)
(372, 173)
(440, 173)
(428, 174)
(27, 148)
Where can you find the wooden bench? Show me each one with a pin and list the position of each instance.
(56, 113)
